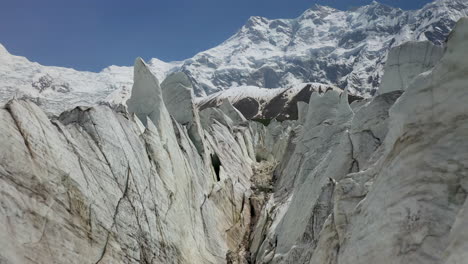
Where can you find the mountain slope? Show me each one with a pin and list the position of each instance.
(325, 45)
(346, 49)
(384, 180)
(59, 88)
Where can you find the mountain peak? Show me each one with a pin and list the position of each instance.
(321, 8)
(317, 11)
(255, 20)
(374, 4)
(323, 45)
(376, 10)
(3, 50)
(454, 4)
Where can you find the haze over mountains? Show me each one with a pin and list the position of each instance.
(346, 49)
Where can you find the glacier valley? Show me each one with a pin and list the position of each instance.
(118, 167)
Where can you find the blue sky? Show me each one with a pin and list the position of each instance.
(93, 34)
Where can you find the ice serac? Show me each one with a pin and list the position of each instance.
(302, 109)
(305, 184)
(146, 100)
(97, 186)
(89, 182)
(406, 62)
(423, 167)
(235, 115)
(390, 186)
(267, 104)
(178, 97)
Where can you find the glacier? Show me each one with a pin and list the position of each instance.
(212, 165)
(161, 179)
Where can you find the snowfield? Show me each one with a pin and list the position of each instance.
(347, 49)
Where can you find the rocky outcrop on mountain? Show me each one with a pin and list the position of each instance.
(267, 104)
(378, 180)
(47, 82)
(406, 62)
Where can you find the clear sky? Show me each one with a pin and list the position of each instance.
(93, 34)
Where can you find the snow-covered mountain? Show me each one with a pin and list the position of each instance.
(267, 104)
(58, 88)
(381, 180)
(346, 49)
(325, 45)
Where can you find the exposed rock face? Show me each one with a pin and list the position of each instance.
(406, 62)
(381, 180)
(268, 104)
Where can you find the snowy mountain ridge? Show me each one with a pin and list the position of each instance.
(346, 49)
(377, 180)
(58, 88)
(325, 45)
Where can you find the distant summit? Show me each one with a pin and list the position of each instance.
(343, 48)
(346, 49)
